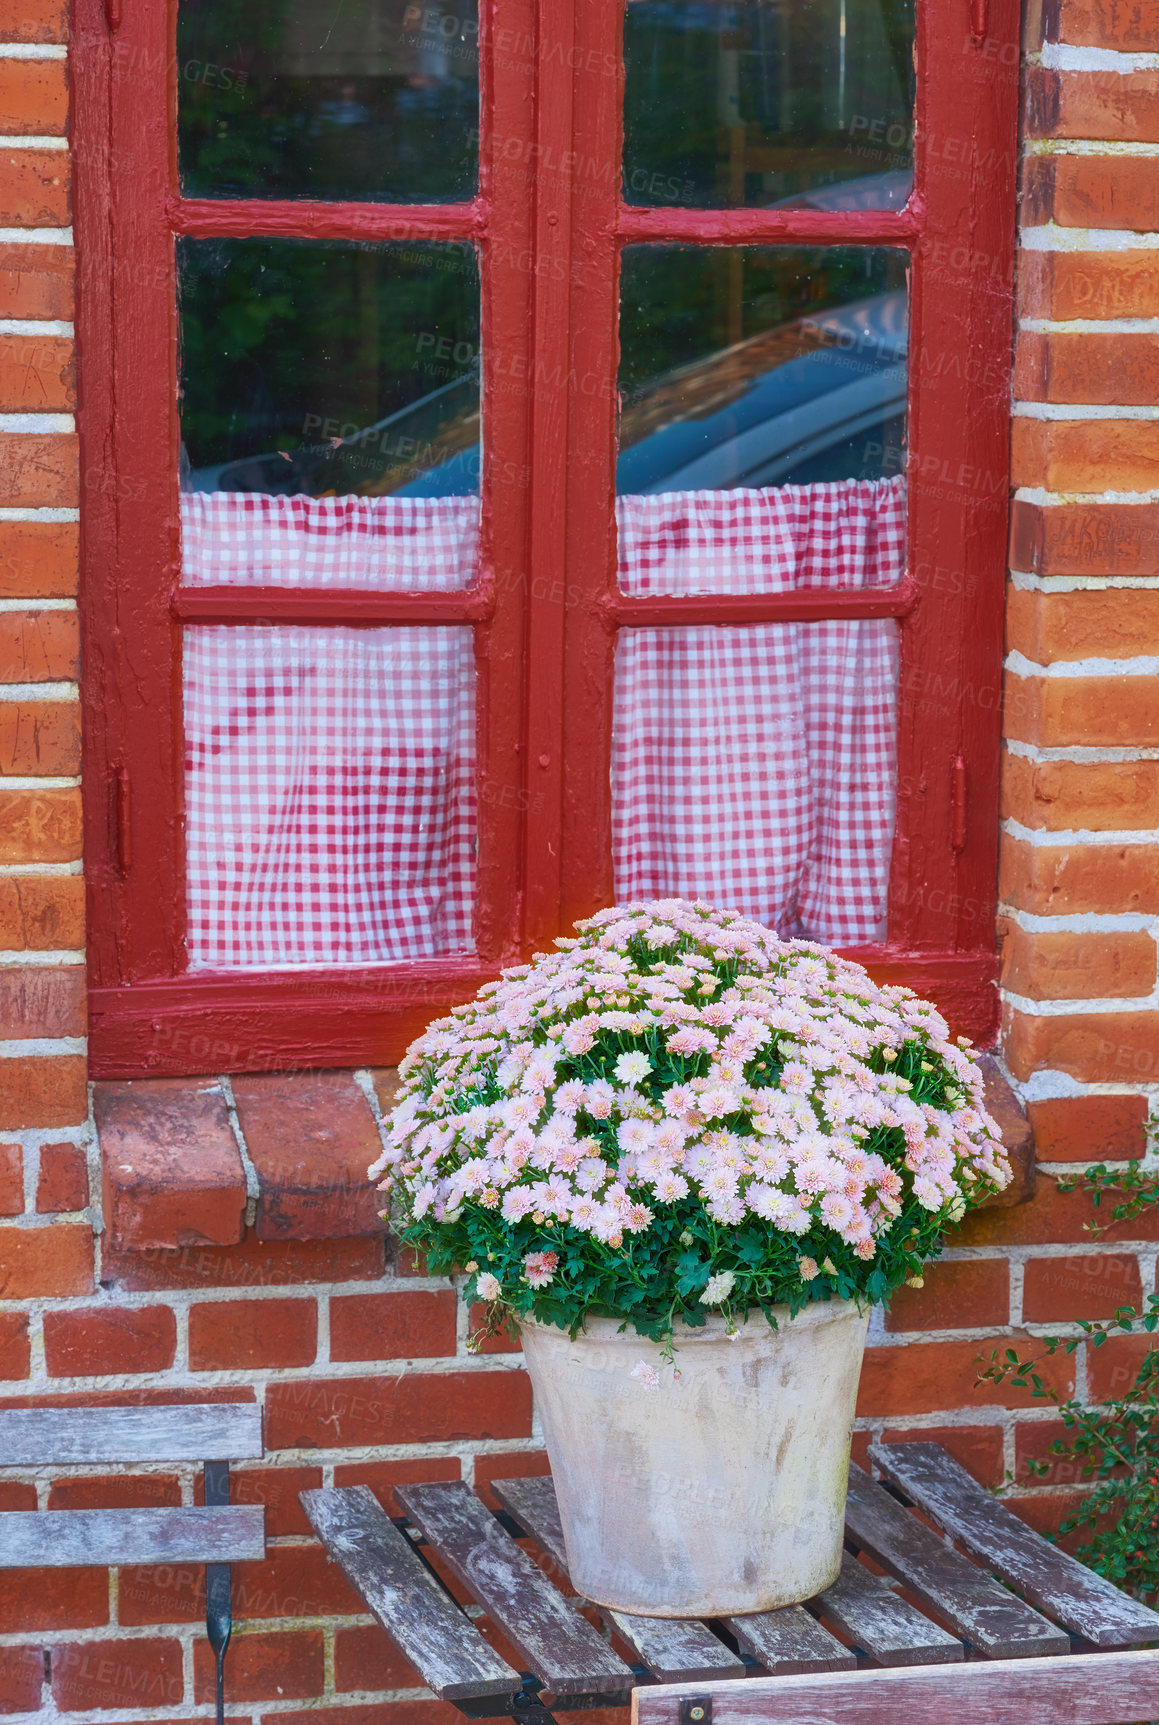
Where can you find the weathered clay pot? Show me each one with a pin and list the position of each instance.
(720, 1492)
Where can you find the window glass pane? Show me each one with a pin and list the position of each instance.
(329, 794)
(328, 99)
(329, 369)
(765, 102)
(755, 767)
(761, 365)
(762, 448)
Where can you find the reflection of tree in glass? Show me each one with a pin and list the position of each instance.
(292, 344)
(368, 99)
(682, 304)
(753, 101)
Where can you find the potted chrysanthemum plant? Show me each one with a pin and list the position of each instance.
(685, 1157)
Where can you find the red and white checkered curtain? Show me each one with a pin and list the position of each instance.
(381, 544)
(755, 766)
(330, 772)
(330, 794)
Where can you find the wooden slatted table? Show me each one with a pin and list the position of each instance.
(1013, 1597)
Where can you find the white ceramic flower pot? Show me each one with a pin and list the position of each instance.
(722, 1490)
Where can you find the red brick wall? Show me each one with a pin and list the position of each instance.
(361, 1366)
(42, 1022)
(1079, 879)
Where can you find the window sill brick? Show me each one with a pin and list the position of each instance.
(172, 1174)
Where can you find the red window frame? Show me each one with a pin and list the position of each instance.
(545, 608)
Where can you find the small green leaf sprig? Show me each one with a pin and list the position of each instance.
(1114, 1445)
(1138, 1184)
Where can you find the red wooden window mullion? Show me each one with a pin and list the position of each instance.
(331, 605)
(247, 218)
(757, 227)
(590, 567)
(128, 437)
(550, 263)
(506, 127)
(806, 606)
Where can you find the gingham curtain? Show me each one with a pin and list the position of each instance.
(330, 772)
(755, 766)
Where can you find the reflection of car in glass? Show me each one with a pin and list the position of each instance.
(887, 191)
(821, 397)
(439, 433)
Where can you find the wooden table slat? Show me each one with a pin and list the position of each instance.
(534, 1505)
(561, 1647)
(884, 1626)
(64, 1538)
(790, 1641)
(383, 1567)
(1049, 1578)
(199, 1431)
(1082, 1689)
(979, 1608)
(675, 1649)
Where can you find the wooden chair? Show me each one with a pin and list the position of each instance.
(1014, 1633)
(213, 1433)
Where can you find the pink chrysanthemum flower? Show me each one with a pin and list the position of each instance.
(583, 1086)
(539, 1268)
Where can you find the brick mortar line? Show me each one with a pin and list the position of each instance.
(1082, 413)
(1093, 668)
(30, 602)
(60, 690)
(30, 1167)
(253, 1188)
(1082, 922)
(1080, 838)
(42, 1047)
(1061, 586)
(1135, 323)
(1052, 1007)
(45, 869)
(218, 1292)
(1080, 754)
(354, 1455)
(26, 423)
(1048, 499)
(14, 512)
(1017, 1276)
(1088, 58)
(1109, 242)
(1107, 149)
(181, 1312)
(265, 1377)
(1090, 666)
